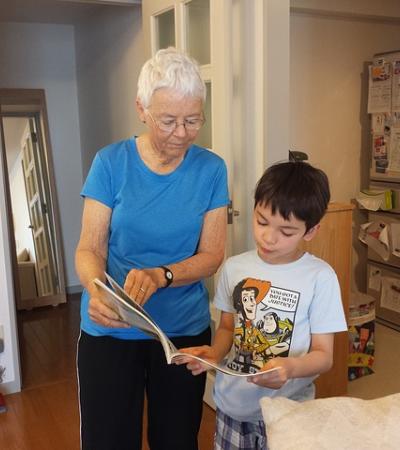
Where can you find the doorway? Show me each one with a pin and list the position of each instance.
(33, 227)
(38, 271)
(33, 214)
(32, 211)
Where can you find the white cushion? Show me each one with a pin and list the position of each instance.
(337, 423)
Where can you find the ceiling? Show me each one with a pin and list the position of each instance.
(55, 11)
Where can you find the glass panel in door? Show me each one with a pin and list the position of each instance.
(197, 30)
(165, 29)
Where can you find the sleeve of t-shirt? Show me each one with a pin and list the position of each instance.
(220, 194)
(98, 184)
(326, 310)
(223, 295)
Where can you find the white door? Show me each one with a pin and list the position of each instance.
(203, 29)
(45, 270)
(243, 49)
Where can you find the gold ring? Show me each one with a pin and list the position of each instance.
(141, 289)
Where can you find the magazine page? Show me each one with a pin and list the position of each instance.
(220, 367)
(119, 291)
(125, 311)
(132, 313)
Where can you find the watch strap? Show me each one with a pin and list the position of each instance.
(169, 276)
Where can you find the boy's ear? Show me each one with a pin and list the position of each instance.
(311, 232)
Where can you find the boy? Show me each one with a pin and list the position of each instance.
(280, 307)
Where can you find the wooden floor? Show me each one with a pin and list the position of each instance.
(45, 416)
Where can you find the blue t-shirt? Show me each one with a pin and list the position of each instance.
(156, 220)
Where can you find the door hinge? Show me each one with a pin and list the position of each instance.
(34, 137)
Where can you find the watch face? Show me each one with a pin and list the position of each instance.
(169, 276)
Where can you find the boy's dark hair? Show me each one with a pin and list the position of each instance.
(294, 187)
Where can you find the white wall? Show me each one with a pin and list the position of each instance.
(387, 9)
(9, 357)
(328, 93)
(109, 57)
(109, 51)
(43, 56)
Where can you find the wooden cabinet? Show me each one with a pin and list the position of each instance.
(333, 244)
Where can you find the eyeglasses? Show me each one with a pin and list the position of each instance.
(170, 125)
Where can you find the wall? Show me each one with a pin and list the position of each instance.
(382, 9)
(9, 357)
(109, 56)
(328, 93)
(43, 56)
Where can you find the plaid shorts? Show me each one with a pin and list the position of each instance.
(231, 434)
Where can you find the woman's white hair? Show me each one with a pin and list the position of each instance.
(169, 68)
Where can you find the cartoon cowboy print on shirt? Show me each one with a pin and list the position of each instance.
(264, 323)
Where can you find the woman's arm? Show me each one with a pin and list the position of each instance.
(210, 253)
(141, 284)
(91, 256)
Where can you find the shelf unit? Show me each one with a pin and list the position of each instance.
(383, 276)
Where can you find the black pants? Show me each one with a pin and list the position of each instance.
(113, 376)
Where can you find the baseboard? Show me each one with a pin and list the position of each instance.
(76, 289)
(387, 323)
(10, 387)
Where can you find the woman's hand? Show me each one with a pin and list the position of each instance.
(100, 313)
(195, 366)
(140, 284)
(277, 378)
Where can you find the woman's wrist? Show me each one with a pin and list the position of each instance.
(157, 275)
(168, 276)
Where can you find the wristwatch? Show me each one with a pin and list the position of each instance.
(169, 276)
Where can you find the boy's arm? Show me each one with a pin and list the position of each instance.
(318, 360)
(223, 336)
(218, 350)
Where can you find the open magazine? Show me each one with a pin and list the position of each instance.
(132, 313)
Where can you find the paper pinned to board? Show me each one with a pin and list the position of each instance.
(376, 236)
(390, 294)
(373, 199)
(379, 87)
(395, 238)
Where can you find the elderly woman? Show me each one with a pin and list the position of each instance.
(155, 219)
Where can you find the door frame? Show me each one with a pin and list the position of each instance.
(31, 102)
(25, 102)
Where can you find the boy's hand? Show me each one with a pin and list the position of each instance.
(277, 378)
(195, 366)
